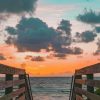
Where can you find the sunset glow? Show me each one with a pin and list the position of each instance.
(54, 39)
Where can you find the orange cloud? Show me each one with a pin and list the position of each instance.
(50, 67)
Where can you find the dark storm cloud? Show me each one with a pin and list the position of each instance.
(97, 29)
(87, 36)
(97, 52)
(32, 34)
(11, 30)
(17, 6)
(65, 29)
(10, 40)
(89, 17)
(65, 26)
(38, 58)
(2, 57)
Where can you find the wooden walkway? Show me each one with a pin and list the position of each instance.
(77, 90)
(23, 92)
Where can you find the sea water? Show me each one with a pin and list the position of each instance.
(51, 88)
(48, 88)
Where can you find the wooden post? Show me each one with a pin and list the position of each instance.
(8, 77)
(90, 88)
(78, 85)
(27, 94)
(22, 85)
(71, 89)
(72, 93)
(27, 88)
(21, 77)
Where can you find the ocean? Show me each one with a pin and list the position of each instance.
(50, 88)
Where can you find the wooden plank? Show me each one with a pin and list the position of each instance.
(89, 70)
(8, 89)
(89, 95)
(79, 97)
(22, 97)
(73, 96)
(28, 96)
(90, 88)
(21, 77)
(76, 84)
(22, 85)
(71, 89)
(29, 86)
(13, 94)
(6, 84)
(94, 83)
(4, 69)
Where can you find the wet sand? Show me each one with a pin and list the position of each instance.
(50, 97)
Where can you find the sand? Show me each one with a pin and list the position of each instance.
(50, 97)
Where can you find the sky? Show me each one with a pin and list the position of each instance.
(49, 37)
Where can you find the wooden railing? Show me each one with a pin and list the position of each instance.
(78, 92)
(23, 90)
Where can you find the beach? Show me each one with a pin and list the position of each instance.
(50, 97)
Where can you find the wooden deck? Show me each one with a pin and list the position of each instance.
(78, 92)
(23, 92)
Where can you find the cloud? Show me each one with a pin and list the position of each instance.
(32, 34)
(64, 26)
(2, 57)
(89, 17)
(38, 58)
(60, 55)
(69, 50)
(97, 29)
(97, 52)
(98, 59)
(11, 57)
(28, 57)
(87, 36)
(3, 16)
(77, 51)
(34, 58)
(17, 6)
